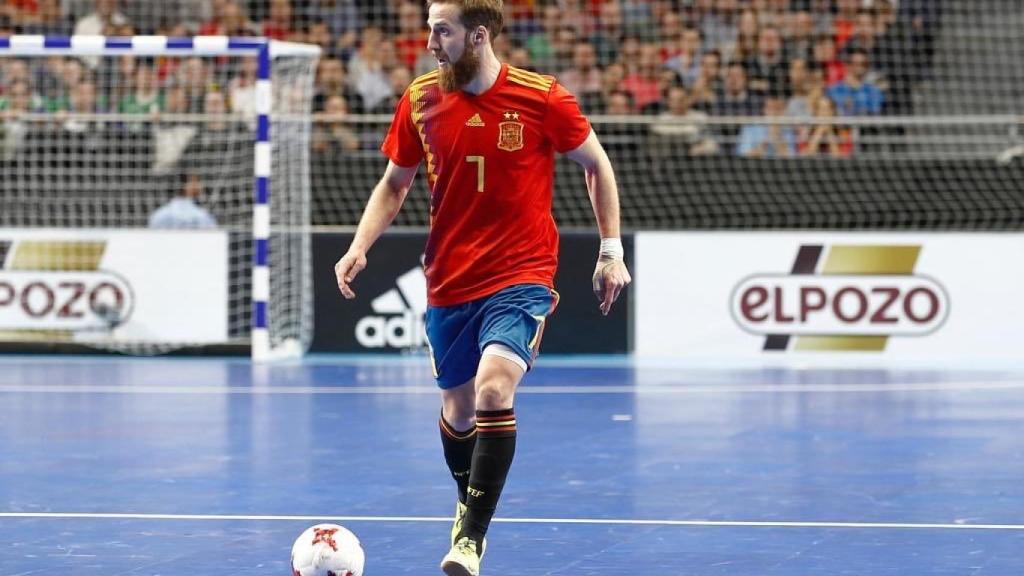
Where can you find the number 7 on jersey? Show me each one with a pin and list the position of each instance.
(479, 161)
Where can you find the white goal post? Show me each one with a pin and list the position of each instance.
(278, 287)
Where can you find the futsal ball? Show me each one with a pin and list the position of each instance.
(327, 550)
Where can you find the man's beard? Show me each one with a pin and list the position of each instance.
(458, 74)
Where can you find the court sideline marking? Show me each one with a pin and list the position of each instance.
(447, 519)
(259, 390)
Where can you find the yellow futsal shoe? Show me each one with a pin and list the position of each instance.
(462, 559)
(460, 515)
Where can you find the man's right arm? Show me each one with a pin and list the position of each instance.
(384, 204)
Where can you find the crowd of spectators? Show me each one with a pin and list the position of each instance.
(689, 59)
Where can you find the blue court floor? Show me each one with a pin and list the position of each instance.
(207, 467)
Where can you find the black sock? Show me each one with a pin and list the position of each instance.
(495, 447)
(458, 453)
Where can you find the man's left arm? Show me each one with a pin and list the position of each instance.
(610, 274)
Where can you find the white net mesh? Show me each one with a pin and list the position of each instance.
(291, 282)
(104, 145)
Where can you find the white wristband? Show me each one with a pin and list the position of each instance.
(611, 249)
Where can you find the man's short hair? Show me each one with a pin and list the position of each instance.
(486, 13)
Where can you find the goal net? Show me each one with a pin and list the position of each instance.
(155, 192)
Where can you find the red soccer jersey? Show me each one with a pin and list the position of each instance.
(490, 168)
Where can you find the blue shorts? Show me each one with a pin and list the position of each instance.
(513, 316)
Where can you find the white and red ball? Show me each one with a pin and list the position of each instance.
(327, 550)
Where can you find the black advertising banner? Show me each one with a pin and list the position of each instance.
(577, 326)
(387, 314)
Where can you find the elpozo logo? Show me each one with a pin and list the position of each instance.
(854, 299)
(57, 286)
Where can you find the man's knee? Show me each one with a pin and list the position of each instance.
(458, 406)
(495, 391)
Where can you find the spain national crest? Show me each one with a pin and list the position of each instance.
(510, 134)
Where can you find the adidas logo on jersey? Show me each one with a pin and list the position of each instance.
(475, 121)
(398, 318)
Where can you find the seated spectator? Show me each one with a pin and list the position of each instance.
(865, 35)
(583, 79)
(14, 70)
(644, 83)
(82, 135)
(518, 57)
(189, 15)
(48, 79)
(73, 73)
(638, 18)
(104, 20)
(825, 57)
(608, 33)
(768, 140)
(232, 21)
(16, 101)
(210, 145)
(342, 17)
(319, 33)
(399, 78)
(83, 99)
(772, 14)
(767, 71)
(411, 40)
(370, 66)
(194, 78)
(800, 42)
(518, 21)
(845, 21)
(183, 211)
(855, 96)
(686, 61)
(279, 24)
(564, 43)
(611, 80)
(17, 98)
(682, 126)
(331, 80)
(821, 12)
(221, 151)
(242, 88)
(808, 85)
(698, 10)
(670, 33)
(331, 134)
(705, 90)
(620, 103)
(48, 20)
(101, 20)
(826, 139)
(746, 38)
(720, 26)
(541, 44)
(735, 98)
(144, 98)
(116, 77)
(578, 17)
(629, 53)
